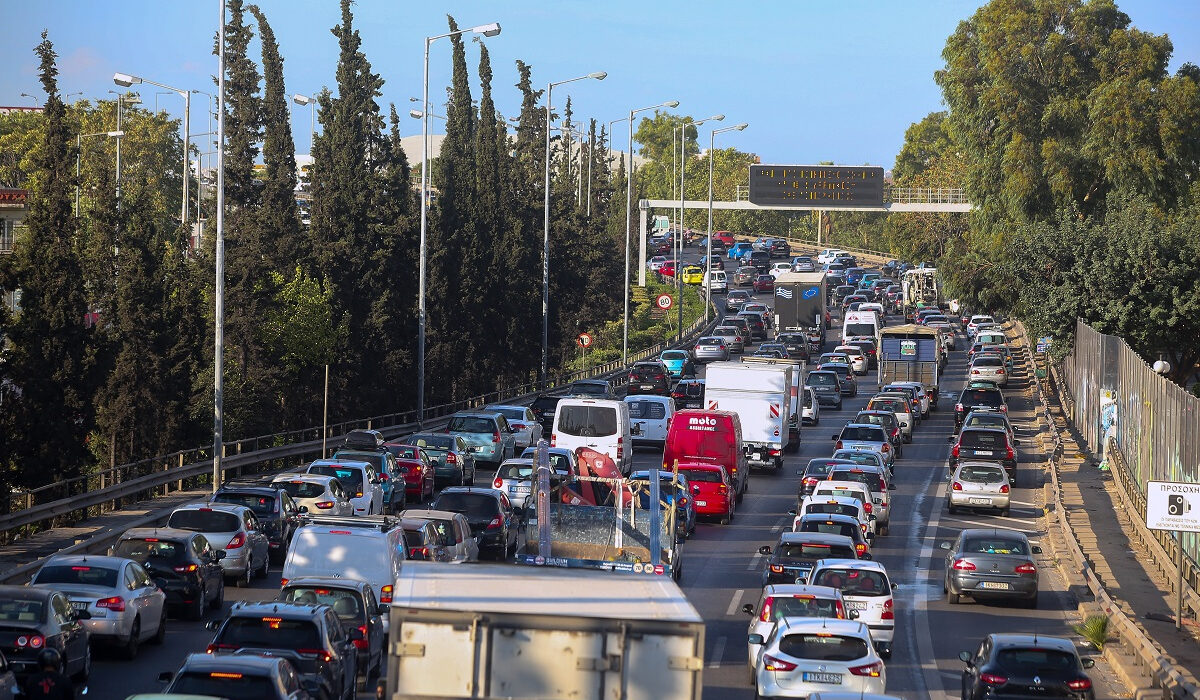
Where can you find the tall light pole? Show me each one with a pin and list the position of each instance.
(708, 241)
(599, 75)
(488, 30)
(682, 196)
(628, 216)
(126, 80)
(78, 145)
(311, 102)
(219, 290)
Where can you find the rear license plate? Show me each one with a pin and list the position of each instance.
(701, 503)
(981, 501)
(756, 455)
(983, 453)
(995, 585)
(856, 604)
(647, 386)
(831, 678)
(79, 604)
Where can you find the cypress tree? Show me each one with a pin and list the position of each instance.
(45, 388)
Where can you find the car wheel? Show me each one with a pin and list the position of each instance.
(243, 580)
(1032, 603)
(161, 633)
(885, 529)
(130, 649)
(951, 509)
(81, 676)
(219, 601)
(196, 610)
(817, 420)
(725, 519)
(1004, 511)
(953, 598)
(266, 565)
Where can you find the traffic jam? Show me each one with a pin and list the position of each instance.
(812, 491)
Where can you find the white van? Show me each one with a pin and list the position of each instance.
(367, 548)
(599, 424)
(860, 324)
(649, 417)
(717, 280)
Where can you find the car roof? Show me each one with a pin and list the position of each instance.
(430, 514)
(340, 463)
(1012, 639)
(330, 581)
(169, 533)
(231, 508)
(836, 483)
(275, 608)
(843, 500)
(225, 662)
(831, 625)
(864, 425)
(96, 559)
(992, 531)
(983, 429)
(263, 489)
(494, 493)
(832, 517)
(493, 406)
(873, 468)
(858, 564)
(305, 476)
(821, 537)
(479, 414)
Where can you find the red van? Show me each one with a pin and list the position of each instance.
(712, 489)
(708, 436)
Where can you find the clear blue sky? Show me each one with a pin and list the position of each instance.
(833, 81)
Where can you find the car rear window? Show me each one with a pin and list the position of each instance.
(981, 397)
(710, 476)
(832, 509)
(649, 410)
(472, 505)
(868, 479)
(864, 433)
(819, 467)
(987, 421)
(854, 582)
(78, 574)
(823, 647)
(1032, 660)
(989, 359)
(404, 451)
(269, 632)
(816, 550)
(470, 424)
(351, 479)
(983, 438)
(674, 355)
(220, 684)
(828, 527)
(142, 550)
(710, 341)
(515, 471)
(822, 379)
(204, 521)
(587, 421)
(301, 489)
(510, 413)
(22, 610)
(995, 545)
(345, 603)
(414, 537)
(261, 505)
(981, 474)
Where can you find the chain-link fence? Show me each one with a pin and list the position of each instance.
(1116, 399)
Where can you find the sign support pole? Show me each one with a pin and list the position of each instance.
(1179, 581)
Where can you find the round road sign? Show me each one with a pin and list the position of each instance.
(664, 301)
(584, 340)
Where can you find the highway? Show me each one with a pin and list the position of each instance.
(722, 568)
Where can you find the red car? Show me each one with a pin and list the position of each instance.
(667, 269)
(764, 283)
(712, 490)
(418, 472)
(725, 236)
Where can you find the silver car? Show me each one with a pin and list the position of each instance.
(453, 531)
(126, 607)
(868, 437)
(991, 563)
(515, 478)
(990, 366)
(321, 494)
(732, 337)
(711, 348)
(979, 485)
(523, 423)
(232, 528)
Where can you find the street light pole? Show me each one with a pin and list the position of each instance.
(219, 295)
(679, 255)
(628, 223)
(708, 252)
(312, 117)
(599, 75)
(488, 30)
(126, 80)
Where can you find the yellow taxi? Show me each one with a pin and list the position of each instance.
(692, 274)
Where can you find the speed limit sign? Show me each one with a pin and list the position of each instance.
(664, 301)
(584, 340)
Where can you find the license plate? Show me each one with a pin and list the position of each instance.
(856, 604)
(647, 386)
(79, 604)
(995, 585)
(757, 455)
(831, 678)
(981, 501)
(701, 503)
(983, 453)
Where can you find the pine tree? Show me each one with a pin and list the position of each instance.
(45, 386)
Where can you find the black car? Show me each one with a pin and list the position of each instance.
(277, 513)
(796, 345)
(489, 513)
(1025, 665)
(842, 291)
(688, 393)
(985, 445)
(869, 351)
(976, 397)
(591, 388)
(757, 324)
(311, 637)
(815, 471)
(780, 249)
(760, 259)
(356, 607)
(792, 559)
(33, 619)
(649, 378)
(543, 407)
(182, 563)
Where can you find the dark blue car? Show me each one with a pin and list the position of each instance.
(685, 524)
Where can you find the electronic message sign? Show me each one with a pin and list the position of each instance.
(817, 186)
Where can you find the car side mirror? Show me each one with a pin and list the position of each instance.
(765, 549)
(944, 545)
(212, 625)
(1035, 549)
(166, 676)
(1087, 663)
(219, 555)
(871, 516)
(853, 614)
(965, 657)
(791, 511)
(1016, 441)
(895, 586)
(867, 556)
(755, 639)
(835, 437)
(748, 609)
(950, 438)
(303, 509)
(870, 536)
(903, 424)
(356, 635)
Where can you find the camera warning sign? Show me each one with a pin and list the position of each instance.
(1173, 505)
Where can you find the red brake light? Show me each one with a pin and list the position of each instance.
(962, 565)
(958, 407)
(954, 450)
(889, 612)
(765, 614)
(324, 505)
(385, 594)
(237, 541)
(810, 481)
(496, 523)
(495, 436)
(869, 670)
(860, 548)
(319, 653)
(1026, 568)
(363, 643)
(1003, 488)
(1079, 684)
(1010, 454)
(993, 679)
(213, 648)
(957, 486)
(186, 569)
(772, 663)
(32, 641)
(497, 483)
(867, 507)
(839, 445)
(115, 603)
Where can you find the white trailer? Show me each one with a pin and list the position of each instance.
(761, 395)
(497, 631)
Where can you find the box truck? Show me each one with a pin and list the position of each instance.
(761, 395)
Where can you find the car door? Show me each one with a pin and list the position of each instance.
(373, 480)
(151, 596)
(210, 566)
(469, 543)
(74, 636)
(374, 624)
(256, 535)
(344, 506)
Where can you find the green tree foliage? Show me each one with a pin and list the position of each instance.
(924, 142)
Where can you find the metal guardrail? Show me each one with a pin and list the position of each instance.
(159, 476)
(1130, 635)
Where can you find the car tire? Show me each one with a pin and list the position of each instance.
(951, 509)
(195, 611)
(1031, 603)
(885, 529)
(1004, 512)
(161, 633)
(266, 566)
(953, 598)
(219, 601)
(243, 580)
(129, 650)
(725, 519)
(81, 676)
(885, 651)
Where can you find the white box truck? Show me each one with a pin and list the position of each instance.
(496, 631)
(761, 395)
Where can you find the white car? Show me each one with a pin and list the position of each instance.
(363, 486)
(321, 494)
(979, 485)
(866, 589)
(917, 390)
(858, 361)
(829, 255)
(523, 423)
(974, 323)
(804, 655)
(780, 600)
(655, 263)
(779, 268)
(124, 605)
(989, 366)
(810, 410)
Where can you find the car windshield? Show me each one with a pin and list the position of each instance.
(351, 478)
(587, 421)
(859, 329)
(218, 684)
(475, 506)
(822, 379)
(1036, 660)
(78, 574)
(261, 505)
(815, 550)
(301, 489)
(647, 410)
(204, 521)
(142, 550)
(22, 610)
(981, 474)
(269, 633)
(854, 582)
(863, 433)
(345, 603)
(994, 545)
(829, 527)
(823, 647)
(471, 424)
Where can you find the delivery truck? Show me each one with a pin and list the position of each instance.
(910, 353)
(499, 631)
(920, 287)
(761, 395)
(800, 299)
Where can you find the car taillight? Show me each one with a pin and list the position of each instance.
(451, 458)
(839, 445)
(957, 486)
(954, 451)
(30, 641)
(723, 488)
(810, 481)
(319, 653)
(869, 670)
(963, 565)
(958, 407)
(213, 648)
(363, 643)
(553, 439)
(765, 614)
(1004, 409)
(860, 548)
(889, 612)
(385, 594)
(518, 426)
(495, 436)
(358, 494)
(1009, 454)
(324, 505)
(776, 569)
(237, 541)
(993, 679)
(839, 609)
(886, 447)
(497, 483)
(1003, 488)
(115, 603)
(620, 448)
(974, 371)
(868, 507)
(1079, 684)
(186, 569)
(418, 552)
(283, 582)
(497, 523)
(1026, 568)
(772, 663)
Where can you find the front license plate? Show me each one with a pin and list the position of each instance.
(701, 503)
(995, 585)
(981, 501)
(983, 453)
(831, 678)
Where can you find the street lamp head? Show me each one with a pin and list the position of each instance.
(487, 29)
(125, 80)
(114, 134)
(301, 99)
(672, 104)
(598, 75)
(716, 118)
(415, 113)
(742, 126)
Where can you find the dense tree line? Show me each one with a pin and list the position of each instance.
(109, 357)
